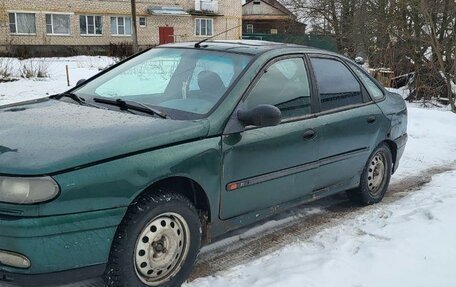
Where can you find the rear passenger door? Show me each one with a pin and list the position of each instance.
(350, 124)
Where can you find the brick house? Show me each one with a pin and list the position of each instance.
(99, 23)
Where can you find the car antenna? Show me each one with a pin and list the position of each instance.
(198, 45)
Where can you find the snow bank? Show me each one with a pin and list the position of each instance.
(432, 141)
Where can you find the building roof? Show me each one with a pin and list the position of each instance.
(276, 4)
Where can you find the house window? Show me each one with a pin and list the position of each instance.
(58, 24)
(204, 27)
(249, 28)
(142, 22)
(121, 26)
(22, 23)
(91, 25)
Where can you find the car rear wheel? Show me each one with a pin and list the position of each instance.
(375, 178)
(156, 244)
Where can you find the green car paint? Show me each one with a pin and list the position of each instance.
(103, 159)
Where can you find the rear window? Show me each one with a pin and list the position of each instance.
(375, 92)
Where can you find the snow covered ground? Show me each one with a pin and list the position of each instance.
(81, 67)
(407, 242)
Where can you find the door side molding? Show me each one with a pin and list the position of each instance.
(236, 185)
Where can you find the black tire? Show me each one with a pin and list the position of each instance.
(368, 192)
(122, 269)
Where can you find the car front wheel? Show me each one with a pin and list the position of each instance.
(375, 178)
(156, 244)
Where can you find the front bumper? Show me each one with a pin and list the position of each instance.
(77, 276)
(58, 243)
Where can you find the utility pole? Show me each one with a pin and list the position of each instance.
(135, 27)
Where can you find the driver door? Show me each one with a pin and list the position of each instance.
(263, 167)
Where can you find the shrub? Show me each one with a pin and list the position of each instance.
(6, 67)
(121, 50)
(34, 69)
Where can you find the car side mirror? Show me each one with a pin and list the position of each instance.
(359, 60)
(260, 116)
(80, 82)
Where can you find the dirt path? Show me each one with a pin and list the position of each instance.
(298, 224)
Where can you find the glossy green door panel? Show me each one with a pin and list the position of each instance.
(263, 151)
(347, 139)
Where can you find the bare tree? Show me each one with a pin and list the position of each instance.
(440, 22)
(409, 36)
(336, 18)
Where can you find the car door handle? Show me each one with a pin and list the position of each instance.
(309, 134)
(371, 119)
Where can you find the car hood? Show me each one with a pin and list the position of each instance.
(50, 136)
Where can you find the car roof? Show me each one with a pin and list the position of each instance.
(252, 47)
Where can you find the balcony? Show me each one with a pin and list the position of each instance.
(206, 7)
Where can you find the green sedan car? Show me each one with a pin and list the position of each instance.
(127, 175)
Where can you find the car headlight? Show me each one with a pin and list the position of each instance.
(23, 190)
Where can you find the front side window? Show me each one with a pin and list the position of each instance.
(185, 83)
(58, 24)
(121, 26)
(22, 23)
(204, 27)
(285, 84)
(91, 25)
(374, 90)
(338, 87)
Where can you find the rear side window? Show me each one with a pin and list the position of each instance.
(285, 85)
(375, 92)
(337, 85)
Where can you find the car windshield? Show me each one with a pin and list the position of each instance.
(184, 83)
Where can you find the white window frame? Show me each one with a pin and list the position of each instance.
(52, 24)
(249, 29)
(145, 21)
(117, 26)
(200, 21)
(207, 20)
(15, 22)
(87, 26)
